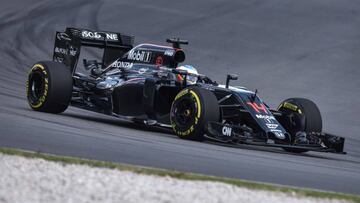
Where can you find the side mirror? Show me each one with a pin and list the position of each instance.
(230, 77)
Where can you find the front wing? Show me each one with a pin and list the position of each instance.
(321, 142)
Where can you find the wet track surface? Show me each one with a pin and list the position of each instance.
(284, 49)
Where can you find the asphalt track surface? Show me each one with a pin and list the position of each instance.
(282, 48)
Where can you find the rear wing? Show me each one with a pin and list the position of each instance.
(68, 45)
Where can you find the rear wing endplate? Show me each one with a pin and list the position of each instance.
(68, 44)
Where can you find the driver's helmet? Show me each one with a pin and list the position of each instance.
(190, 79)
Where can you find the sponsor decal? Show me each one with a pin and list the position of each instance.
(198, 104)
(290, 106)
(258, 108)
(159, 61)
(72, 51)
(187, 132)
(143, 56)
(121, 64)
(112, 36)
(96, 35)
(88, 34)
(182, 93)
(272, 125)
(267, 118)
(278, 133)
(60, 50)
(226, 131)
(63, 36)
(169, 52)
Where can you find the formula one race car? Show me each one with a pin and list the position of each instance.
(146, 84)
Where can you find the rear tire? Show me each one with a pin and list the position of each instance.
(191, 109)
(309, 113)
(49, 87)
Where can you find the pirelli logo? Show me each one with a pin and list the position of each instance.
(290, 106)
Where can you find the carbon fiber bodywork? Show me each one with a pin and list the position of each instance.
(140, 83)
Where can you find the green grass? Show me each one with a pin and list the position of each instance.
(182, 175)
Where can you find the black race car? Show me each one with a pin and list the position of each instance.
(146, 84)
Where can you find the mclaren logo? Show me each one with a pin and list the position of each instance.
(62, 36)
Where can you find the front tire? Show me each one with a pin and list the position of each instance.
(307, 118)
(191, 109)
(49, 87)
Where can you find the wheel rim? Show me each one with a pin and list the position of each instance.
(184, 113)
(36, 86)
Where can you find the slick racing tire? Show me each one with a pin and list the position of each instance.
(49, 87)
(307, 118)
(191, 109)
